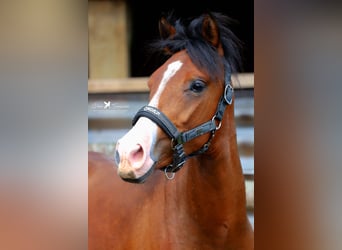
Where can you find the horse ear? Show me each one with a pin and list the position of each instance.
(210, 31)
(166, 30)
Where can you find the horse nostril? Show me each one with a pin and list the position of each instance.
(117, 157)
(136, 154)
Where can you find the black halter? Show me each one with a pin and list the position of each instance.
(179, 138)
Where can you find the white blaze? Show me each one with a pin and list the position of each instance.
(172, 69)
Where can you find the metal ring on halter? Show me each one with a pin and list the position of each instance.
(169, 177)
(219, 125)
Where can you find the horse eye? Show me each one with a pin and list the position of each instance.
(197, 86)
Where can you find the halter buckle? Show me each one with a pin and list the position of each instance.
(228, 94)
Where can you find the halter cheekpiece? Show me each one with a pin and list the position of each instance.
(179, 138)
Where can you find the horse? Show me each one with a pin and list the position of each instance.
(176, 181)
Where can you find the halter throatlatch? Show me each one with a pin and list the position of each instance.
(179, 138)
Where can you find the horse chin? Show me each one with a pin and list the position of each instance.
(129, 175)
(140, 179)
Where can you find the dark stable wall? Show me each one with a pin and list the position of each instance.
(145, 14)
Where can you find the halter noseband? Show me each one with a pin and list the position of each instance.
(179, 138)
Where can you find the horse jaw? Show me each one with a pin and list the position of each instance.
(133, 151)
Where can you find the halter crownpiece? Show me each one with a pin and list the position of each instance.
(179, 138)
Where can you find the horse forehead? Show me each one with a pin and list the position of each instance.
(171, 70)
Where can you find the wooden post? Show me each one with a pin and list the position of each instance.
(108, 39)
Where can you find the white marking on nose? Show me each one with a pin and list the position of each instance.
(171, 70)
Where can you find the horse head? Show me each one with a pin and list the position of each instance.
(188, 96)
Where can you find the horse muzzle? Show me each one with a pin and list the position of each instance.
(133, 152)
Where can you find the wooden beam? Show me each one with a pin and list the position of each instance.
(117, 85)
(139, 84)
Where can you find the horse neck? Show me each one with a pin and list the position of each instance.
(208, 196)
(211, 187)
(221, 163)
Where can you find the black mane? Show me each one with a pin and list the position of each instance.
(203, 55)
